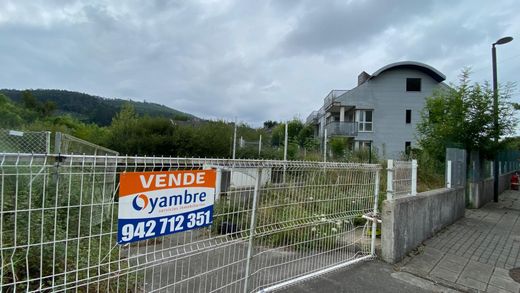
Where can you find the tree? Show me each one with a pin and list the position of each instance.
(29, 101)
(270, 124)
(462, 116)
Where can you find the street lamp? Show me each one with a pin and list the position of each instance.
(501, 41)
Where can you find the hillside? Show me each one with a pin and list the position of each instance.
(96, 109)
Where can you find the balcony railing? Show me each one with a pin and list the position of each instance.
(312, 118)
(331, 97)
(337, 128)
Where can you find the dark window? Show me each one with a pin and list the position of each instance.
(413, 84)
(408, 116)
(407, 147)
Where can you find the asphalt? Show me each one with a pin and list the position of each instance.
(370, 276)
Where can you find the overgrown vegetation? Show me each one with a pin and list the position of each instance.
(66, 238)
(318, 213)
(462, 116)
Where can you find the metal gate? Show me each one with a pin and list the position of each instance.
(275, 222)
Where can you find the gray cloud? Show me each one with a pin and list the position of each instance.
(253, 60)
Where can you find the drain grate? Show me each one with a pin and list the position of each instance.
(515, 274)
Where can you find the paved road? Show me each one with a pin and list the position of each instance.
(475, 253)
(371, 276)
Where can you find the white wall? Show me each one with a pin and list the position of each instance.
(387, 95)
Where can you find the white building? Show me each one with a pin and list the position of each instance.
(383, 110)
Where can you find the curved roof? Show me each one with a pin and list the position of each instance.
(434, 73)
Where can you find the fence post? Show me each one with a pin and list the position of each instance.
(252, 229)
(57, 143)
(234, 139)
(285, 145)
(389, 180)
(219, 182)
(325, 145)
(374, 222)
(414, 177)
(48, 142)
(448, 174)
(286, 141)
(260, 145)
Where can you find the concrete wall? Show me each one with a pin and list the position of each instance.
(481, 192)
(408, 221)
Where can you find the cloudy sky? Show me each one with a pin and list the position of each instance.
(254, 60)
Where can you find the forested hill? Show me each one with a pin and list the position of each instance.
(95, 109)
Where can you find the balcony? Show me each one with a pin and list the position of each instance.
(330, 99)
(312, 118)
(337, 128)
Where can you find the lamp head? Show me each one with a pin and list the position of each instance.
(503, 40)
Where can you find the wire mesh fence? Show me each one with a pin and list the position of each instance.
(401, 179)
(24, 141)
(68, 144)
(39, 142)
(273, 221)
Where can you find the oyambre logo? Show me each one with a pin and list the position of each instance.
(140, 202)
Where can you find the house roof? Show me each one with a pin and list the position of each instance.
(434, 73)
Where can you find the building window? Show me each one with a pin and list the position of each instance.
(365, 120)
(408, 119)
(407, 147)
(364, 145)
(413, 84)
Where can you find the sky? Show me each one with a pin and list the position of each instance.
(249, 60)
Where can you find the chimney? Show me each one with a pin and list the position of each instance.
(362, 77)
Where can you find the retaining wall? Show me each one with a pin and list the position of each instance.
(408, 221)
(481, 192)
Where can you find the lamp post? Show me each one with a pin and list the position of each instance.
(501, 41)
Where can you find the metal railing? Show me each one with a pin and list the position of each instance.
(401, 179)
(16, 141)
(337, 128)
(312, 118)
(274, 222)
(331, 97)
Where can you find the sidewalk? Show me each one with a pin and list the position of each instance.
(476, 252)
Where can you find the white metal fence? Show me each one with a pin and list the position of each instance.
(58, 217)
(39, 142)
(25, 141)
(68, 144)
(401, 179)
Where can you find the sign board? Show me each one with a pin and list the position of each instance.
(15, 133)
(153, 204)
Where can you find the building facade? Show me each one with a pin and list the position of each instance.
(382, 111)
